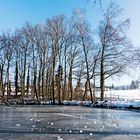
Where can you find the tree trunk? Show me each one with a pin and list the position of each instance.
(1, 79)
(65, 83)
(102, 81)
(16, 79)
(42, 83)
(39, 79)
(28, 81)
(8, 81)
(94, 89)
(90, 90)
(87, 68)
(70, 83)
(34, 85)
(85, 91)
(47, 81)
(53, 86)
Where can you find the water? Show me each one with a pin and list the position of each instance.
(65, 122)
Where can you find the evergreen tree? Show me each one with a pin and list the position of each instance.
(133, 85)
(59, 79)
(112, 87)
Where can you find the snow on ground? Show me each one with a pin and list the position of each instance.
(121, 98)
(114, 98)
(122, 94)
(125, 99)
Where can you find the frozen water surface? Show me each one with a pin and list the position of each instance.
(67, 122)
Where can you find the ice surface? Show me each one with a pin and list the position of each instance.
(90, 134)
(33, 126)
(85, 126)
(18, 125)
(96, 122)
(31, 119)
(59, 138)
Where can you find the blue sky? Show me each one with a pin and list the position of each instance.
(15, 13)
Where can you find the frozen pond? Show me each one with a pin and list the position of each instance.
(67, 122)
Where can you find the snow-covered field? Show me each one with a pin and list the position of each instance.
(123, 98)
(114, 98)
(122, 94)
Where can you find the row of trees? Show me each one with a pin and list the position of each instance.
(51, 61)
(133, 85)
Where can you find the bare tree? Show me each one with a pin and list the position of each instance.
(23, 42)
(114, 45)
(2, 66)
(7, 46)
(40, 42)
(90, 55)
(56, 30)
(73, 59)
(16, 60)
(29, 32)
